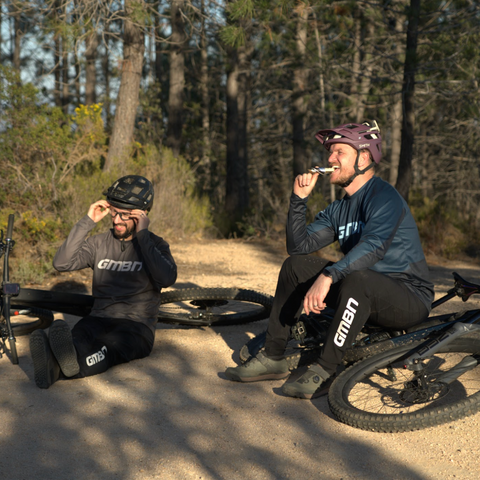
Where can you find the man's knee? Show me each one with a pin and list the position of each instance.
(358, 282)
(298, 264)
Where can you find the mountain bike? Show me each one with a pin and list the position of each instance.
(187, 306)
(397, 381)
(20, 320)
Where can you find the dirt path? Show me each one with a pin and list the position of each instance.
(174, 416)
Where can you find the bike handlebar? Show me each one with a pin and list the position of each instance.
(11, 218)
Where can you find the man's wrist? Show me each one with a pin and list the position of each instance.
(327, 274)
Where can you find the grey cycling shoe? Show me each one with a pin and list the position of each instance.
(61, 342)
(259, 368)
(46, 370)
(313, 383)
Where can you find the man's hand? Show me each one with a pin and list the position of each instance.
(98, 210)
(314, 300)
(141, 220)
(304, 184)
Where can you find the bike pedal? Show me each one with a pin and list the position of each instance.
(299, 331)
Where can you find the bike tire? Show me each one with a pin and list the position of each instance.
(38, 318)
(363, 396)
(213, 306)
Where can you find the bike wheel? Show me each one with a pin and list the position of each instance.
(380, 395)
(296, 354)
(213, 306)
(25, 320)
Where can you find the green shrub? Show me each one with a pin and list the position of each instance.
(178, 209)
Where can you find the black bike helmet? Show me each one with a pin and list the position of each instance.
(131, 192)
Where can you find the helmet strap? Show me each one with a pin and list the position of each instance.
(357, 171)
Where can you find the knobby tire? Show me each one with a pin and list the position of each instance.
(378, 394)
(213, 306)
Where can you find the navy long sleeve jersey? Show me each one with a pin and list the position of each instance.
(375, 229)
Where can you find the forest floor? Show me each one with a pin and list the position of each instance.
(174, 415)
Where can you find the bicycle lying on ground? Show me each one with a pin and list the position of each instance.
(24, 310)
(397, 381)
(21, 319)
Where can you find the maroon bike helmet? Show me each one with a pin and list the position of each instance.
(131, 192)
(364, 136)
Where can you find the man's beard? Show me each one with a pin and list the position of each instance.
(343, 178)
(127, 233)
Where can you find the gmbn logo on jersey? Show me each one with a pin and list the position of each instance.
(349, 229)
(108, 264)
(97, 357)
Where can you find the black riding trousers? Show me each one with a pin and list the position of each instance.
(102, 343)
(361, 296)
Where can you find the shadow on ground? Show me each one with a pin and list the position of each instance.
(173, 416)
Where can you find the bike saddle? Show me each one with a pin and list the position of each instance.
(463, 288)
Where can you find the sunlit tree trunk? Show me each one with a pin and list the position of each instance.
(299, 102)
(128, 95)
(397, 115)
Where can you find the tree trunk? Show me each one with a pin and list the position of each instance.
(56, 71)
(396, 123)
(299, 104)
(366, 71)
(205, 97)
(106, 78)
(1, 36)
(404, 179)
(396, 117)
(232, 196)
(177, 79)
(128, 95)
(91, 45)
(158, 46)
(17, 38)
(65, 78)
(243, 101)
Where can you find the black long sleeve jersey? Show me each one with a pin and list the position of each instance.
(375, 229)
(127, 276)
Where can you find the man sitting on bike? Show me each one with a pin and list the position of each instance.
(130, 267)
(382, 276)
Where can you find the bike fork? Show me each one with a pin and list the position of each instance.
(414, 361)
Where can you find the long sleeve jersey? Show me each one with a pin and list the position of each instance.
(127, 276)
(376, 231)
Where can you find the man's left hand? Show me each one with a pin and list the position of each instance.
(314, 300)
